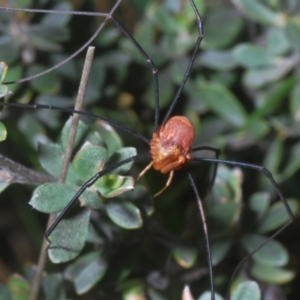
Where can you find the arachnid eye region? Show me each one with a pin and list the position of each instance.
(171, 144)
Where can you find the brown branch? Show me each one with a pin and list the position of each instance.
(78, 106)
(13, 172)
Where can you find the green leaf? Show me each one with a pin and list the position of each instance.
(231, 23)
(86, 271)
(3, 132)
(294, 102)
(164, 19)
(141, 197)
(274, 99)
(13, 73)
(293, 163)
(53, 287)
(3, 70)
(248, 290)
(109, 135)
(217, 60)
(51, 158)
(277, 216)
(4, 91)
(273, 157)
(89, 160)
(91, 198)
(259, 204)
(120, 155)
(10, 50)
(250, 56)
(48, 83)
(52, 20)
(227, 189)
(113, 185)
(293, 33)
(256, 78)
(4, 292)
(272, 275)
(257, 127)
(221, 217)
(219, 250)
(207, 296)
(220, 100)
(259, 12)
(277, 41)
(52, 197)
(185, 256)
(135, 289)
(107, 37)
(68, 238)
(272, 254)
(124, 214)
(81, 132)
(19, 288)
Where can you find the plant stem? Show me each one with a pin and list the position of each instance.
(78, 106)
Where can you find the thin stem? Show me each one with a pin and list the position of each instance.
(64, 170)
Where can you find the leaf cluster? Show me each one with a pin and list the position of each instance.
(242, 95)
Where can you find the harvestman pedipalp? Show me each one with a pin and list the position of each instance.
(167, 140)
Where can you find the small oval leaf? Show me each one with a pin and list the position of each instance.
(19, 288)
(46, 84)
(113, 185)
(259, 12)
(124, 214)
(185, 256)
(3, 132)
(220, 100)
(271, 254)
(52, 197)
(89, 160)
(251, 56)
(207, 296)
(120, 155)
(86, 271)
(68, 238)
(271, 274)
(277, 216)
(248, 290)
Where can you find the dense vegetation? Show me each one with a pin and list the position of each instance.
(243, 96)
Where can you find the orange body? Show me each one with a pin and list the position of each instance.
(171, 144)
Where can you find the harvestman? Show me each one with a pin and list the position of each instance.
(170, 145)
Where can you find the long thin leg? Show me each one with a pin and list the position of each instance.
(107, 16)
(268, 175)
(205, 230)
(262, 169)
(186, 75)
(45, 11)
(83, 113)
(90, 182)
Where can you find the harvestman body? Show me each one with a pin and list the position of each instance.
(170, 146)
